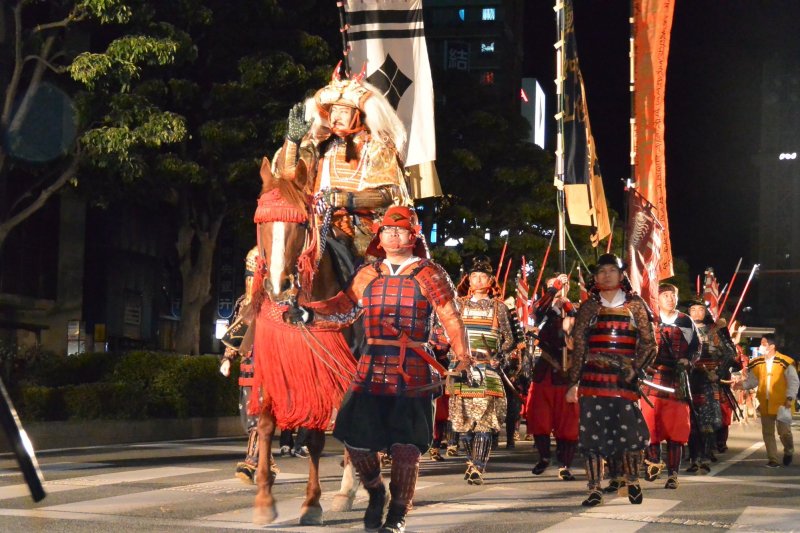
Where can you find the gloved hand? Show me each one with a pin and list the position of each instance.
(296, 124)
(298, 315)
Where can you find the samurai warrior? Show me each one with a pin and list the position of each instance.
(389, 406)
(614, 342)
(669, 417)
(548, 411)
(478, 399)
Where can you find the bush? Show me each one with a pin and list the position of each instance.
(128, 386)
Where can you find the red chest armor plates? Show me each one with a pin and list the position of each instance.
(397, 325)
(612, 347)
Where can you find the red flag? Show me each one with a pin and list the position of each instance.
(523, 295)
(711, 292)
(644, 248)
(652, 27)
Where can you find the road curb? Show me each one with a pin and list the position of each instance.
(80, 433)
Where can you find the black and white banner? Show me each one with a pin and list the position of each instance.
(389, 36)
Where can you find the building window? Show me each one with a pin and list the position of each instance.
(462, 13)
(487, 48)
(488, 13)
(487, 78)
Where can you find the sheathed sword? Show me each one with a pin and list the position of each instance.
(21, 445)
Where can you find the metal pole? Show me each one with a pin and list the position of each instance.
(631, 182)
(559, 177)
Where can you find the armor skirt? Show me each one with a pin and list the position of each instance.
(611, 426)
(709, 414)
(377, 422)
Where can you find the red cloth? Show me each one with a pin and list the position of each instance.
(303, 375)
(442, 408)
(668, 420)
(547, 410)
(727, 412)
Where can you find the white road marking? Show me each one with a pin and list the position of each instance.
(617, 515)
(763, 519)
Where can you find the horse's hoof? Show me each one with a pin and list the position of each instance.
(264, 514)
(342, 503)
(311, 515)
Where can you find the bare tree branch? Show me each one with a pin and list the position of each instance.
(55, 68)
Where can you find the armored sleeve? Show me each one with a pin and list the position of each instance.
(646, 347)
(438, 289)
(695, 348)
(506, 342)
(343, 309)
(580, 336)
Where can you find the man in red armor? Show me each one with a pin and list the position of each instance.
(389, 406)
(614, 341)
(669, 417)
(548, 411)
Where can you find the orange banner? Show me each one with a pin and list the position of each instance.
(652, 26)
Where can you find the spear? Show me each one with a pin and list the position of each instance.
(544, 262)
(730, 286)
(611, 236)
(739, 303)
(505, 278)
(697, 285)
(502, 256)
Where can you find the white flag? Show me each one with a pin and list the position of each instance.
(389, 37)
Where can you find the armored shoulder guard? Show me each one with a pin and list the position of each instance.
(435, 282)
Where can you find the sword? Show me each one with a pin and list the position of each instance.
(657, 386)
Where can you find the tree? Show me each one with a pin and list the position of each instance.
(42, 50)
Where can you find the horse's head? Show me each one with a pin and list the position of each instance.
(282, 221)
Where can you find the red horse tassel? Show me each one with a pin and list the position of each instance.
(303, 375)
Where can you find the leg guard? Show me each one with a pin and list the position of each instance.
(565, 452)
(251, 456)
(466, 441)
(594, 471)
(368, 466)
(481, 448)
(405, 469)
(542, 443)
(614, 467)
(722, 439)
(674, 453)
(654, 453)
(631, 461)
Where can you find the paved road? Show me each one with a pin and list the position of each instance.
(188, 486)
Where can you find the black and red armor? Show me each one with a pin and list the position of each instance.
(611, 353)
(552, 341)
(676, 340)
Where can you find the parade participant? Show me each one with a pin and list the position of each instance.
(548, 411)
(717, 356)
(517, 383)
(775, 377)
(389, 405)
(350, 141)
(440, 346)
(669, 418)
(478, 403)
(246, 469)
(614, 342)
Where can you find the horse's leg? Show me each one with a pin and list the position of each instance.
(264, 510)
(311, 511)
(343, 500)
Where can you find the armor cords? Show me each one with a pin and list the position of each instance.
(594, 471)
(405, 469)
(368, 466)
(612, 349)
(614, 467)
(481, 448)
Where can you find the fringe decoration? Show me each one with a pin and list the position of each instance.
(273, 207)
(301, 384)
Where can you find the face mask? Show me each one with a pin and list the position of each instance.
(762, 350)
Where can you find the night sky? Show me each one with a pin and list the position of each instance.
(712, 110)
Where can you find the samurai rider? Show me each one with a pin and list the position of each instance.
(389, 406)
(614, 341)
(548, 411)
(669, 418)
(478, 400)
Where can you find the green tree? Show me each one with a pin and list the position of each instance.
(40, 44)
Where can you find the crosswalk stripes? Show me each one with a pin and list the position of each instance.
(762, 519)
(616, 515)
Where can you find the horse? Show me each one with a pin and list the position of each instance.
(302, 372)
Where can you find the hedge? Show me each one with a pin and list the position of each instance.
(133, 385)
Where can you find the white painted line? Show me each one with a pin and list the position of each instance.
(744, 454)
(617, 515)
(126, 476)
(768, 519)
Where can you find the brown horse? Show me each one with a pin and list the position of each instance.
(302, 372)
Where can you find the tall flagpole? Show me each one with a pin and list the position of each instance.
(559, 177)
(631, 182)
(343, 27)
